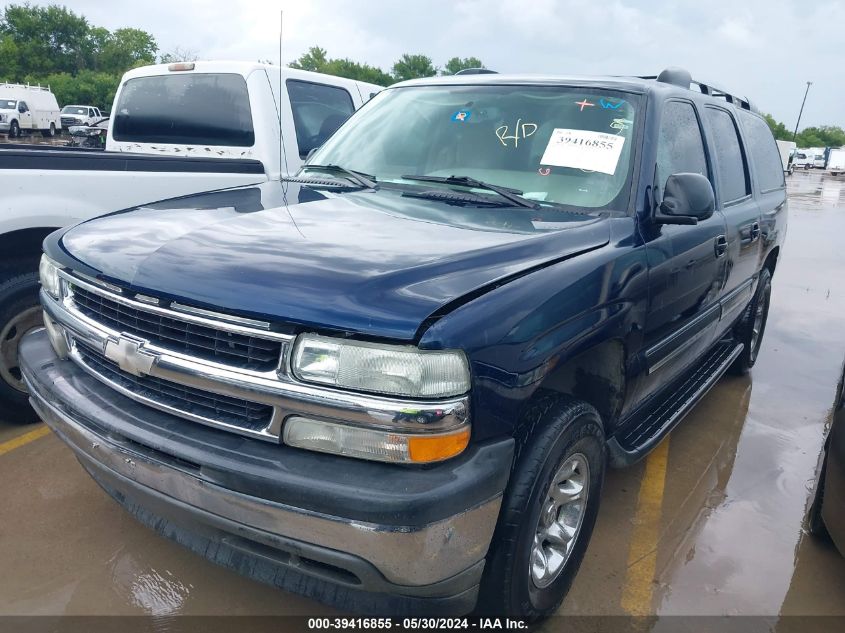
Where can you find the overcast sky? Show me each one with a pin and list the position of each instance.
(763, 49)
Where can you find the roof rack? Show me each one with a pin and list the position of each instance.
(682, 78)
(26, 86)
(476, 71)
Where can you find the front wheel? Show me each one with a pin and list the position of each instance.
(20, 313)
(749, 331)
(14, 130)
(548, 511)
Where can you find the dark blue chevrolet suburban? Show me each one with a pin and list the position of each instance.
(394, 381)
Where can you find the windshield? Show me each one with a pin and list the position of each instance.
(6, 104)
(565, 146)
(75, 110)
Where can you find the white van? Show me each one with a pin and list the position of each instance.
(804, 158)
(27, 109)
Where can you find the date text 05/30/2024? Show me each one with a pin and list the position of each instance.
(478, 624)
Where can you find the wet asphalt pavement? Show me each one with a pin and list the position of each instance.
(710, 524)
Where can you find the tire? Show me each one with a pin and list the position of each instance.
(14, 130)
(559, 432)
(20, 312)
(50, 132)
(750, 329)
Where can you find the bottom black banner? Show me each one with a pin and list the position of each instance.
(277, 624)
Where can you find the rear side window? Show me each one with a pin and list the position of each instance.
(764, 153)
(680, 148)
(318, 110)
(730, 158)
(195, 108)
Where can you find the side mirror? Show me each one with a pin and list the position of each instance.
(687, 198)
(21, 109)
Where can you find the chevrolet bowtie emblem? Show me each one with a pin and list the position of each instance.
(129, 354)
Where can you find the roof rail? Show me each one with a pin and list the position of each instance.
(682, 78)
(476, 71)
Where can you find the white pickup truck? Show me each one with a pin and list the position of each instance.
(175, 130)
(80, 115)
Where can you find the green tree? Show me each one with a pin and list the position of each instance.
(179, 54)
(88, 87)
(360, 72)
(316, 60)
(82, 63)
(9, 59)
(127, 48)
(413, 67)
(49, 39)
(456, 63)
(778, 129)
(824, 136)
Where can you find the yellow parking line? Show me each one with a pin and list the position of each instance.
(26, 438)
(642, 553)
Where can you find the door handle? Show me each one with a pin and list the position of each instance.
(755, 231)
(721, 245)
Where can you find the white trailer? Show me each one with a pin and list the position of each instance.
(836, 161)
(786, 150)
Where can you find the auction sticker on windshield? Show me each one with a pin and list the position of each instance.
(583, 149)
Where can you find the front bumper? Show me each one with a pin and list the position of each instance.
(361, 535)
(4, 127)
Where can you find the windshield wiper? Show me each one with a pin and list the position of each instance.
(359, 178)
(512, 195)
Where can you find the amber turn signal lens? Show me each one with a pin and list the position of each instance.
(434, 448)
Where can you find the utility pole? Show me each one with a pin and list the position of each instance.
(800, 112)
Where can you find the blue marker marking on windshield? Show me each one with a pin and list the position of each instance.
(461, 115)
(607, 105)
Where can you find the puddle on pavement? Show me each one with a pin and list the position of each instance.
(814, 190)
(734, 549)
(742, 465)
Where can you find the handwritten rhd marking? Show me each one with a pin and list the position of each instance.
(520, 131)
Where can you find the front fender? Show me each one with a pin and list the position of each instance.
(516, 335)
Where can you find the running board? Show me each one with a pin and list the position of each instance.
(647, 427)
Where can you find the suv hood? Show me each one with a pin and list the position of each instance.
(373, 263)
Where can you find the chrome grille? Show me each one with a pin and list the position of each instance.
(241, 351)
(197, 403)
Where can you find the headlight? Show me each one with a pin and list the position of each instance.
(374, 444)
(389, 369)
(48, 272)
